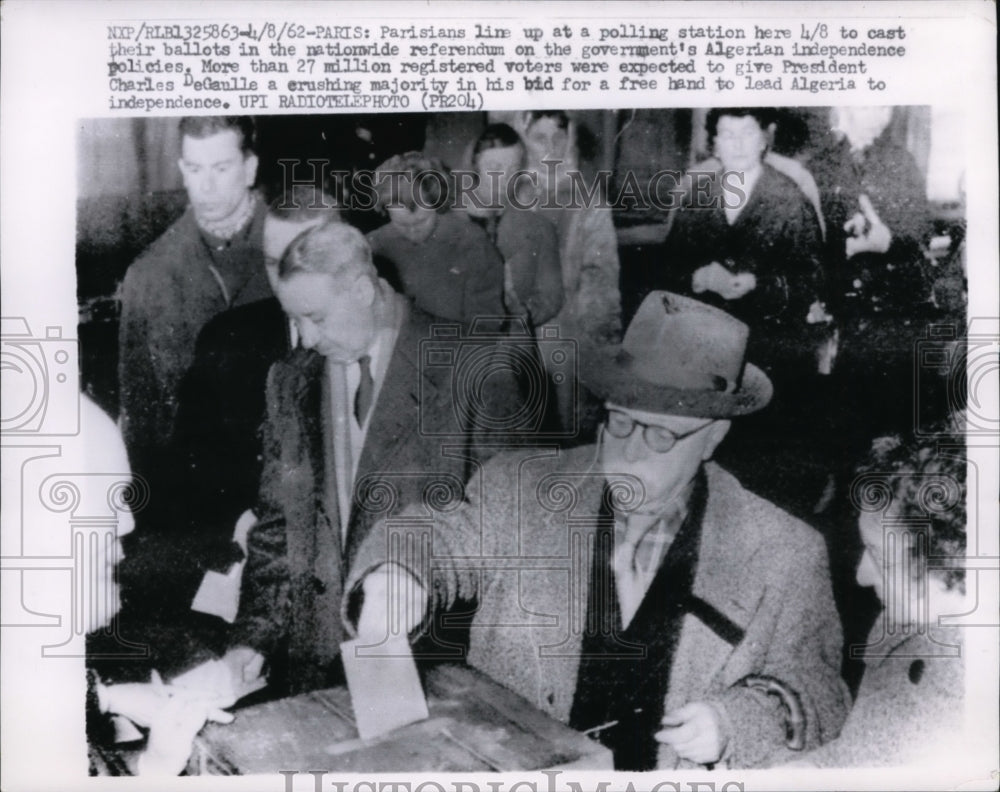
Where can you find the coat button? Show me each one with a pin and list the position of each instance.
(319, 586)
(550, 697)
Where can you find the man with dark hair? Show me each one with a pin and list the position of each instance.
(356, 428)
(209, 260)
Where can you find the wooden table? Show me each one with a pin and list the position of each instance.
(475, 725)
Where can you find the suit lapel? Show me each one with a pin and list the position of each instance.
(395, 414)
(395, 417)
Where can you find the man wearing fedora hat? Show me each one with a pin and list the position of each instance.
(634, 589)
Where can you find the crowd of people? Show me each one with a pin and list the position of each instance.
(290, 386)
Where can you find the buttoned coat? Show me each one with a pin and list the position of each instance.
(910, 708)
(413, 451)
(523, 546)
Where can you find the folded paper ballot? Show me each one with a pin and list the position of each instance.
(219, 594)
(384, 685)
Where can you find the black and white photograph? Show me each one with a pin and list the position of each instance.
(588, 444)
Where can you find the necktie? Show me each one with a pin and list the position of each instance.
(629, 582)
(366, 388)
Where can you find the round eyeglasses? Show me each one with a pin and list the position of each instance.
(658, 438)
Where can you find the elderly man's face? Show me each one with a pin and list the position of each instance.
(334, 317)
(664, 474)
(216, 174)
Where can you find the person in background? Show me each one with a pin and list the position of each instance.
(210, 260)
(437, 257)
(633, 588)
(171, 716)
(588, 254)
(790, 166)
(910, 705)
(751, 244)
(449, 267)
(875, 200)
(533, 287)
(526, 241)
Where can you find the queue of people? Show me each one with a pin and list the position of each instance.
(295, 391)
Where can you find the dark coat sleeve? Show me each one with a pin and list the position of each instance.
(530, 248)
(484, 280)
(789, 274)
(140, 392)
(265, 597)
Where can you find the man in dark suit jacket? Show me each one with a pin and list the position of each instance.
(213, 464)
(356, 428)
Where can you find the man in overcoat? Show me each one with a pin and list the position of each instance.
(356, 428)
(209, 260)
(216, 449)
(634, 589)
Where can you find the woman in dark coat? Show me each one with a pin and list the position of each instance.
(749, 241)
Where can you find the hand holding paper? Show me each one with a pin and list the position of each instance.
(381, 673)
(394, 604)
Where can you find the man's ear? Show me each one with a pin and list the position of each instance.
(716, 433)
(250, 169)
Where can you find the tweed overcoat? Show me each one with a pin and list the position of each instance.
(522, 547)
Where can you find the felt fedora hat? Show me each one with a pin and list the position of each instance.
(679, 357)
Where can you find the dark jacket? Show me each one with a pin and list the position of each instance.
(776, 237)
(216, 450)
(455, 274)
(413, 451)
(168, 295)
(894, 281)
